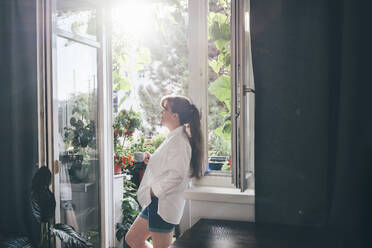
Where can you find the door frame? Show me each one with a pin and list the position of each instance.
(46, 48)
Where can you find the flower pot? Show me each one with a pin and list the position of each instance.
(117, 169)
(215, 165)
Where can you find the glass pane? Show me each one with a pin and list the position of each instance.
(75, 144)
(249, 100)
(77, 17)
(219, 91)
(150, 60)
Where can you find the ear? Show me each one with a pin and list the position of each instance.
(175, 115)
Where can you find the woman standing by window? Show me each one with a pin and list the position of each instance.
(168, 174)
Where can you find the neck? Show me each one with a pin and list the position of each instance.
(172, 127)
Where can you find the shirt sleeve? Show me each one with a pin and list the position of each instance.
(178, 164)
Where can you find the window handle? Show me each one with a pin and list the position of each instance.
(248, 90)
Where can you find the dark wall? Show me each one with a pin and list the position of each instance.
(18, 111)
(312, 111)
(290, 44)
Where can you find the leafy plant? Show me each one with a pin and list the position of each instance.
(80, 134)
(125, 123)
(69, 236)
(125, 160)
(130, 208)
(43, 207)
(16, 242)
(157, 140)
(219, 77)
(140, 145)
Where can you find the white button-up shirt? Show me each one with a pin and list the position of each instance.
(168, 174)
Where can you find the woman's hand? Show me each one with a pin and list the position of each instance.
(147, 157)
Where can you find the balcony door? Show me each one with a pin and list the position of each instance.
(75, 54)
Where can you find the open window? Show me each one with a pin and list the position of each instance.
(198, 48)
(222, 86)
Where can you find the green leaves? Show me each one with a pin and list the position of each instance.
(143, 57)
(130, 208)
(221, 89)
(121, 230)
(216, 65)
(69, 236)
(219, 28)
(43, 203)
(17, 242)
(226, 136)
(120, 82)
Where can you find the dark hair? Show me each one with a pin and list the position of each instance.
(188, 114)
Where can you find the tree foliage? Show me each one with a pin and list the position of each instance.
(219, 89)
(169, 53)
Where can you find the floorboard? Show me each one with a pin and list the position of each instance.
(235, 234)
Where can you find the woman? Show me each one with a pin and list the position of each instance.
(168, 174)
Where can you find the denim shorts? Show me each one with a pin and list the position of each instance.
(156, 223)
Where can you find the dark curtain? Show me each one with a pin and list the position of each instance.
(18, 112)
(311, 63)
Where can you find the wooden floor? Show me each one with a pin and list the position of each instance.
(234, 234)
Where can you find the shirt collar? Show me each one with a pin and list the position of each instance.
(175, 131)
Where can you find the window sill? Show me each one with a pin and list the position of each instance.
(214, 180)
(220, 194)
(119, 175)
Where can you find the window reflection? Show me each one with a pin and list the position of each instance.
(75, 100)
(78, 18)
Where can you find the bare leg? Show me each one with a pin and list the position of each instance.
(71, 219)
(161, 240)
(138, 234)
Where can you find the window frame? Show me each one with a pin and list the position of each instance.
(47, 33)
(242, 86)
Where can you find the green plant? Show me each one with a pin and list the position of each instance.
(80, 135)
(142, 145)
(219, 73)
(125, 160)
(125, 123)
(157, 140)
(43, 206)
(80, 140)
(130, 208)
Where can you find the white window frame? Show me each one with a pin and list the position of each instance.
(242, 87)
(46, 35)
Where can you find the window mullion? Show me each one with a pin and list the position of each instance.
(234, 94)
(198, 62)
(242, 95)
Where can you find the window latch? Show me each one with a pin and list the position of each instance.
(248, 90)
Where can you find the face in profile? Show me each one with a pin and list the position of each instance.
(166, 115)
(168, 118)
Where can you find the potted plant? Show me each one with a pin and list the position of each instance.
(125, 124)
(80, 139)
(123, 161)
(43, 206)
(130, 209)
